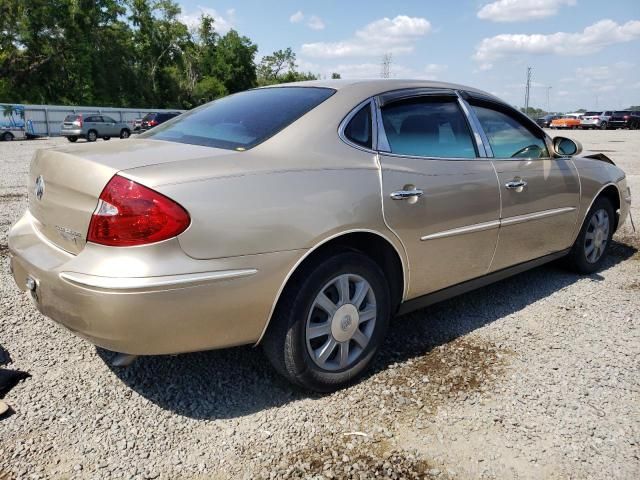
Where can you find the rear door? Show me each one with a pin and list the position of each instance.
(93, 122)
(539, 194)
(110, 126)
(440, 196)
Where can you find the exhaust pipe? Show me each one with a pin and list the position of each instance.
(123, 360)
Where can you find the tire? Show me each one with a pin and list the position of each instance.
(590, 248)
(72, 139)
(7, 136)
(92, 136)
(124, 133)
(106, 138)
(603, 126)
(301, 330)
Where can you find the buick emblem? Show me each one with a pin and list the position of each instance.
(345, 323)
(39, 187)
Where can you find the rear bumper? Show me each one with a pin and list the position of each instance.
(71, 133)
(590, 123)
(203, 305)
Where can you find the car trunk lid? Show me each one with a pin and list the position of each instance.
(65, 183)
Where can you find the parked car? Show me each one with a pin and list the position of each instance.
(306, 228)
(596, 120)
(545, 122)
(623, 119)
(93, 127)
(151, 120)
(634, 121)
(566, 121)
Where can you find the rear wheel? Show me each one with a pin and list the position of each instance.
(124, 133)
(590, 248)
(92, 136)
(72, 139)
(7, 136)
(603, 126)
(329, 322)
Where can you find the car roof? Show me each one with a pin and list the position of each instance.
(380, 85)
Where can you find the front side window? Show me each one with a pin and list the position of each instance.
(428, 127)
(508, 137)
(358, 130)
(243, 120)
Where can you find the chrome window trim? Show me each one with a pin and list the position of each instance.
(347, 119)
(382, 144)
(482, 141)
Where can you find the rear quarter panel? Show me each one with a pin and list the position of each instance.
(280, 209)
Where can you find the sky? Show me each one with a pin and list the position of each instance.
(583, 53)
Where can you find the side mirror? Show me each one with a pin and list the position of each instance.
(566, 147)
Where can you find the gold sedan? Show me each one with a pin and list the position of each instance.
(303, 217)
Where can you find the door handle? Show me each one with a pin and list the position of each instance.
(407, 194)
(516, 184)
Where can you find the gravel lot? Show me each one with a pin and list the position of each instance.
(534, 377)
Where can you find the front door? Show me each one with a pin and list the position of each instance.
(540, 194)
(439, 197)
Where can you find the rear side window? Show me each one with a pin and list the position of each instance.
(358, 130)
(508, 137)
(428, 127)
(243, 120)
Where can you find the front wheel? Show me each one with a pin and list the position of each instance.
(590, 249)
(329, 322)
(603, 126)
(72, 139)
(124, 133)
(7, 137)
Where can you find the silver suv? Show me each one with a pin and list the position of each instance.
(596, 120)
(92, 127)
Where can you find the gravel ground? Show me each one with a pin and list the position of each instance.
(533, 377)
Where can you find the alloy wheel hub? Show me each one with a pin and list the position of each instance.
(345, 322)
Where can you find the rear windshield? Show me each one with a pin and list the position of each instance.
(71, 118)
(621, 112)
(243, 120)
(592, 114)
(149, 116)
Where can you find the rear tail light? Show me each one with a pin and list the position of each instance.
(131, 214)
(153, 123)
(78, 121)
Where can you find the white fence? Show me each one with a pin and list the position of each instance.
(46, 119)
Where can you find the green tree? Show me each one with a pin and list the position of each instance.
(335, 76)
(234, 62)
(280, 67)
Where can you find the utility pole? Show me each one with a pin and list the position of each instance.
(526, 91)
(548, 89)
(385, 71)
